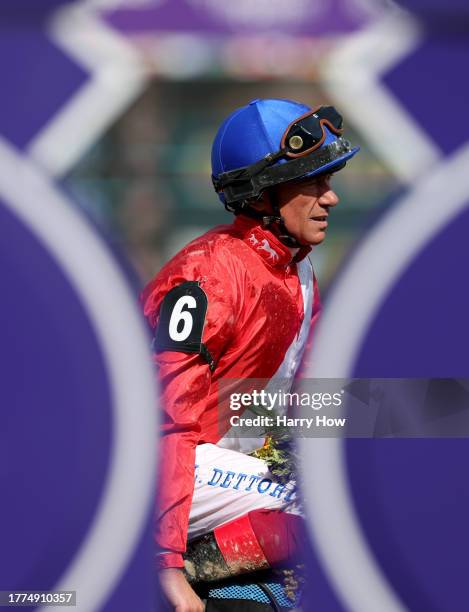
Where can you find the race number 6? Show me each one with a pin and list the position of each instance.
(179, 315)
(182, 318)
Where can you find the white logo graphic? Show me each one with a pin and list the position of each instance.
(266, 247)
(253, 240)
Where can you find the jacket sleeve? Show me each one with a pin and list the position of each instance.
(185, 380)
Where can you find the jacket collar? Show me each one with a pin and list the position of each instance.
(266, 244)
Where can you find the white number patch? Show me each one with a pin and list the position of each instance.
(185, 316)
(182, 318)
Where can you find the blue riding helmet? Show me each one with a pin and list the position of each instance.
(268, 142)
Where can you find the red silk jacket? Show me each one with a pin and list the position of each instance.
(249, 304)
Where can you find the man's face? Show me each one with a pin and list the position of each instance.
(305, 206)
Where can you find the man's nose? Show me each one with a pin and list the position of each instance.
(329, 198)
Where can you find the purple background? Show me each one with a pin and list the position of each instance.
(177, 15)
(411, 496)
(56, 415)
(56, 409)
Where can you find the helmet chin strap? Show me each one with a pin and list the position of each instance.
(276, 219)
(282, 232)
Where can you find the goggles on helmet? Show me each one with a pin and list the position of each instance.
(307, 133)
(301, 142)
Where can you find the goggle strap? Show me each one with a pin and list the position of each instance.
(242, 175)
(238, 185)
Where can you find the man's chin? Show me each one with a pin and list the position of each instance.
(315, 240)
